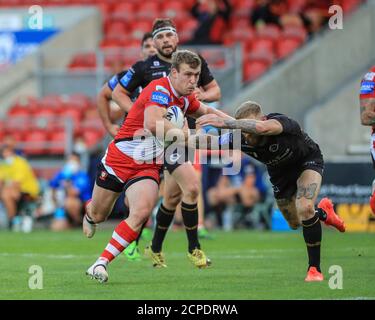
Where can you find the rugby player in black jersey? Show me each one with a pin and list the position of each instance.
(176, 172)
(295, 165)
(108, 114)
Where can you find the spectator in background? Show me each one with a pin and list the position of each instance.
(241, 190)
(71, 189)
(213, 17)
(268, 12)
(312, 16)
(315, 14)
(17, 181)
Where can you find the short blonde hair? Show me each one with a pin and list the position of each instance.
(248, 108)
(185, 56)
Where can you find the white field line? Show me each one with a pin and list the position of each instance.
(236, 254)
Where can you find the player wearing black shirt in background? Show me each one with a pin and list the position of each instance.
(108, 114)
(295, 165)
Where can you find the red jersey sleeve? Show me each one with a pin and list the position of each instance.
(156, 95)
(194, 104)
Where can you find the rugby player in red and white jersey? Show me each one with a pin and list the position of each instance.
(367, 105)
(131, 160)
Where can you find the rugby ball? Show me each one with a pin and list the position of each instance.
(175, 116)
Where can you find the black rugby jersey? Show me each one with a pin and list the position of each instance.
(143, 72)
(281, 151)
(114, 80)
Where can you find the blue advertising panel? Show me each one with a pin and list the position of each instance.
(14, 45)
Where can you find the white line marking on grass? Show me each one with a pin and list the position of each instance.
(49, 256)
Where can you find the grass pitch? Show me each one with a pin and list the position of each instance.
(246, 265)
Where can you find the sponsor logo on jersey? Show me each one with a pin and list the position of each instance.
(112, 83)
(160, 98)
(158, 74)
(127, 77)
(103, 175)
(156, 63)
(162, 89)
(369, 76)
(367, 87)
(274, 147)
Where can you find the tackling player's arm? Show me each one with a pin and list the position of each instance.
(367, 107)
(259, 127)
(103, 103)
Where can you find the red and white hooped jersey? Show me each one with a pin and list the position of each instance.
(159, 93)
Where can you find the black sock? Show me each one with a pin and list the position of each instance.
(190, 217)
(164, 218)
(312, 233)
(321, 213)
(140, 233)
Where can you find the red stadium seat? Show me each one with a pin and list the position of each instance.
(123, 11)
(57, 142)
(19, 111)
(83, 61)
(147, 10)
(296, 33)
(296, 6)
(242, 34)
(349, 5)
(16, 134)
(35, 142)
(269, 31)
(265, 44)
(214, 57)
(77, 100)
(263, 55)
(92, 136)
(116, 30)
(46, 113)
(254, 69)
(239, 23)
(139, 28)
(286, 47)
(174, 10)
(74, 114)
(187, 29)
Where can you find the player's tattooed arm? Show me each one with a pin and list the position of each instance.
(367, 109)
(266, 127)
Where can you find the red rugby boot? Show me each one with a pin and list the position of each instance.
(332, 218)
